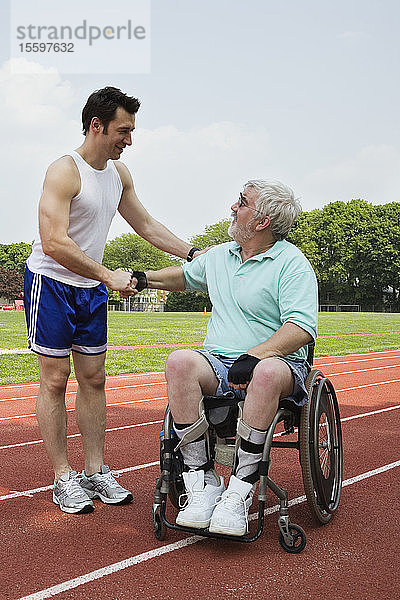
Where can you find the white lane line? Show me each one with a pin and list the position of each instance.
(369, 414)
(362, 370)
(73, 381)
(27, 416)
(29, 493)
(377, 471)
(358, 387)
(156, 552)
(378, 352)
(75, 435)
(46, 488)
(134, 401)
(110, 569)
(359, 360)
(108, 389)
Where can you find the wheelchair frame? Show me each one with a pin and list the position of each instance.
(319, 443)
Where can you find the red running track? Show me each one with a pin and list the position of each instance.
(112, 553)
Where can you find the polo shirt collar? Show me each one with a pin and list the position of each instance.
(272, 253)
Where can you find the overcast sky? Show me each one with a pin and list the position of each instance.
(302, 91)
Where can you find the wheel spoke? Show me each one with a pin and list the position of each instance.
(324, 456)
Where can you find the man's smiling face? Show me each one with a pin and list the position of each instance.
(118, 133)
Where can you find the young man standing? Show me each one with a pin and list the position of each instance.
(65, 290)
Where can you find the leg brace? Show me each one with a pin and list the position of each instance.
(190, 435)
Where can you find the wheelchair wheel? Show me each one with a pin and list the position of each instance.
(159, 528)
(299, 540)
(321, 451)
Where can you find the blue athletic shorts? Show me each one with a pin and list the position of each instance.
(62, 317)
(221, 365)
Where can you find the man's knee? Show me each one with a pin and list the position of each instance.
(93, 377)
(54, 376)
(180, 363)
(90, 370)
(274, 375)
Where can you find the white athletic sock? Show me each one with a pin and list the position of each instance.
(250, 451)
(247, 463)
(195, 456)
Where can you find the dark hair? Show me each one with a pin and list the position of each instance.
(104, 103)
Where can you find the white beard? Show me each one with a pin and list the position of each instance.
(241, 233)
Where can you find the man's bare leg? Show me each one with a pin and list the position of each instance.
(90, 408)
(272, 380)
(189, 377)
(50, 410)
(97, 480)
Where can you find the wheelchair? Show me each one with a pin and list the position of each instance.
(319, 444)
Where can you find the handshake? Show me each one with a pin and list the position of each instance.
(127, 283)
(141, 280)
(137, 283)
(138, 280)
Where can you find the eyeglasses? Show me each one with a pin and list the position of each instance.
(243, 202)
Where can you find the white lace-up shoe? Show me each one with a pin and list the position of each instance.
(230, 513)
(69, 495)
(198, 503)
(104, 486)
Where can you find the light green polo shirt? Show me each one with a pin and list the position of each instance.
(251, 300)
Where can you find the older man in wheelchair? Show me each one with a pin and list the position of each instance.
(264, 296)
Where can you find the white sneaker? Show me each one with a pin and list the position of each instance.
(103, 486)
(230, 514)
(199, 501)
(69, 495)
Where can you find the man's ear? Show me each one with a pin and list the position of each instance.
(263, 224)
(96, 125)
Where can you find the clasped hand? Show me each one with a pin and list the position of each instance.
(241, 372)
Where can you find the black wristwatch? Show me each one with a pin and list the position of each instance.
(189, 257)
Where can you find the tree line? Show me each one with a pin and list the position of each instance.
(354, 248)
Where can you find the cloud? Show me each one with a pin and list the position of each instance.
(373, 174)
(353, 35)
(32, 95)
(36, 129)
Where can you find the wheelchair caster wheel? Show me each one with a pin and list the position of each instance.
(299, 540)
(158, 527)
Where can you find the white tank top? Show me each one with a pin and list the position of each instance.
(91, 213)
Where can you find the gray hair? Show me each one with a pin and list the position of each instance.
(276, 201)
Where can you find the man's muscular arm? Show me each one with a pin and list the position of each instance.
(143, 223)
(61, 184)
(170, 278)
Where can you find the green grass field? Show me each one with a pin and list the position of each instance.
(131, 329)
